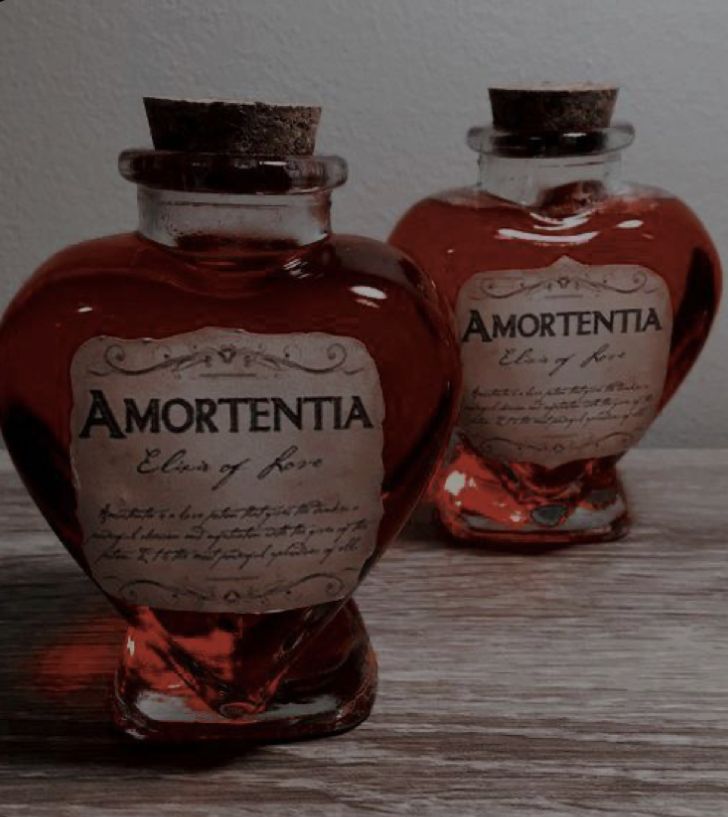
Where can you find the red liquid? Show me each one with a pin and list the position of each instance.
(459, 233)
(234, 666)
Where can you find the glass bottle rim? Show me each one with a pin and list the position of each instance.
(489, 141)
(231, 173)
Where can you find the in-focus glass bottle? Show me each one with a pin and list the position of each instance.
(225, 417)
(581, 302)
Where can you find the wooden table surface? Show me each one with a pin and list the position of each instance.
(588, 681)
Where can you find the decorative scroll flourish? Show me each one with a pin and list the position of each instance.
(557, 448)
(504, 287)
(135, 590)
(225, 361)
(130, 591)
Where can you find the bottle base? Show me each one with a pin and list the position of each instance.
(484, 503)
(310, 701)
(477, 531)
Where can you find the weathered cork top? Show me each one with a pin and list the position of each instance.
(553, 108)
(249, 128)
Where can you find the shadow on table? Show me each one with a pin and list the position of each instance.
(61, 640)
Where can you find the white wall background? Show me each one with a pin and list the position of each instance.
(400, 81)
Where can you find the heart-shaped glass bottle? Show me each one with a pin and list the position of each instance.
(226, 417)
(581, 302)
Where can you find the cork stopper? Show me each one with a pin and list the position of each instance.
(248, 128)
(553, 108)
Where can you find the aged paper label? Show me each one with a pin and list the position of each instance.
(562, 363)
(225, 471)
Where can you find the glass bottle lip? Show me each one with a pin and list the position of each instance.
(231, 173)
(487, 140)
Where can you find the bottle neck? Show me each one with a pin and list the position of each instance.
(219, 224)
(538, 181)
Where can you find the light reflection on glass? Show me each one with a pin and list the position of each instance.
(522, 235)
(369, 292)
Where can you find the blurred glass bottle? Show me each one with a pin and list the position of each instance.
(581, 303)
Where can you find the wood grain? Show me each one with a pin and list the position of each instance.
(585, 682)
